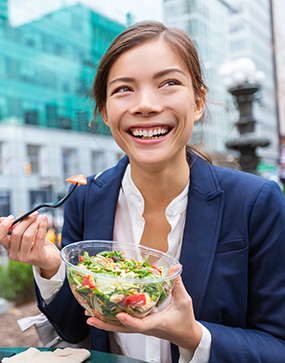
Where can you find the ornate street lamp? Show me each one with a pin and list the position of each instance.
(243, 82)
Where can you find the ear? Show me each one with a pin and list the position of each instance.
(104, 116)
(199, 105)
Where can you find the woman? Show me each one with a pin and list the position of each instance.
(225, 226)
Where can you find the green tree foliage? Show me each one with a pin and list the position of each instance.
(16, 282)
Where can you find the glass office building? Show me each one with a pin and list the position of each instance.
(47, 68)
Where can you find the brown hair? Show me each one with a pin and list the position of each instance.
(137, 34)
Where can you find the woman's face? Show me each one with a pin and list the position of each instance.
(151, 107)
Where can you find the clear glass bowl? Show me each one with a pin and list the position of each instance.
(104, 296)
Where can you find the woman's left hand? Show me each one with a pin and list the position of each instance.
(176, 323)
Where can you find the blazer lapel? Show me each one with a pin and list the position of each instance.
(102, 202)
(203, 220)
(202, 225)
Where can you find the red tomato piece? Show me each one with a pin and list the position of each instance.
(156, 270)
(137, 299)
(89, 282)
(81, 259)
(80, 179)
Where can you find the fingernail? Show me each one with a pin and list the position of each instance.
(34, 214)
(10, 217)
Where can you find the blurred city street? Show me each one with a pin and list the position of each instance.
(10, 332)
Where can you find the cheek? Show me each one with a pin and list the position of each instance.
(186, 113)
(183, 104)
(114, 111)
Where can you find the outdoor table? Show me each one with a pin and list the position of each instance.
(94, 357)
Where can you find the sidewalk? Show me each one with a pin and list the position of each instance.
(10, 332)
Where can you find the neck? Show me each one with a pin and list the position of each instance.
(159, 186)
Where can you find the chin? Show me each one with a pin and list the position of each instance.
(149, 162)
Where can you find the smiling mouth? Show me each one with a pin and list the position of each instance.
(150, 133)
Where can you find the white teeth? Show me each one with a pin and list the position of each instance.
(149, 133)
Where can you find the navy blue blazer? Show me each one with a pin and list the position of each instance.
(233, 257)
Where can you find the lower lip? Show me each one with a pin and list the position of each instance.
(148, 141)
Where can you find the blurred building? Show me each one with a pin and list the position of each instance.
(251, 37)
(225, 30)
(46, 71)
(207, 23)
(278, 16)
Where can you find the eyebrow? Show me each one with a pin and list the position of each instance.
(157, 75)
(167, 71)
(122, 79)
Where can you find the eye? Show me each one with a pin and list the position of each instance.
(122, 89)
(171, 82)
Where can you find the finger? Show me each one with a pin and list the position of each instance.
(108, 326)
(6, 223)
(179, 292)
(177, 267)
(41, 232)
(27, 240)
(178, 284)
(150, 324)
(18, 232)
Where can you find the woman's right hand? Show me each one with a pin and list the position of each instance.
(28, 243)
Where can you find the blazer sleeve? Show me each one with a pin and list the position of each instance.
(263, 339)
(64, 312)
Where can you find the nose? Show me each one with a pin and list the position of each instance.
(146, 103)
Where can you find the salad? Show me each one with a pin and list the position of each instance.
(116, 284)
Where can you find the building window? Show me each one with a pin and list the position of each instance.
(69, 162)
(2, 66)
(5, 202)
(39, 196)
(51, 115)
(65, 123)
(14, 107)
(32, 166)
(82, 119)
(27, 71)
(31, 117)
(98, 161)
(3, 26)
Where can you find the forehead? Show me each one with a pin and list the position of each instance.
(151, 56)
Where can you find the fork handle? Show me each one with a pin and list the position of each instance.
(26, 215)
